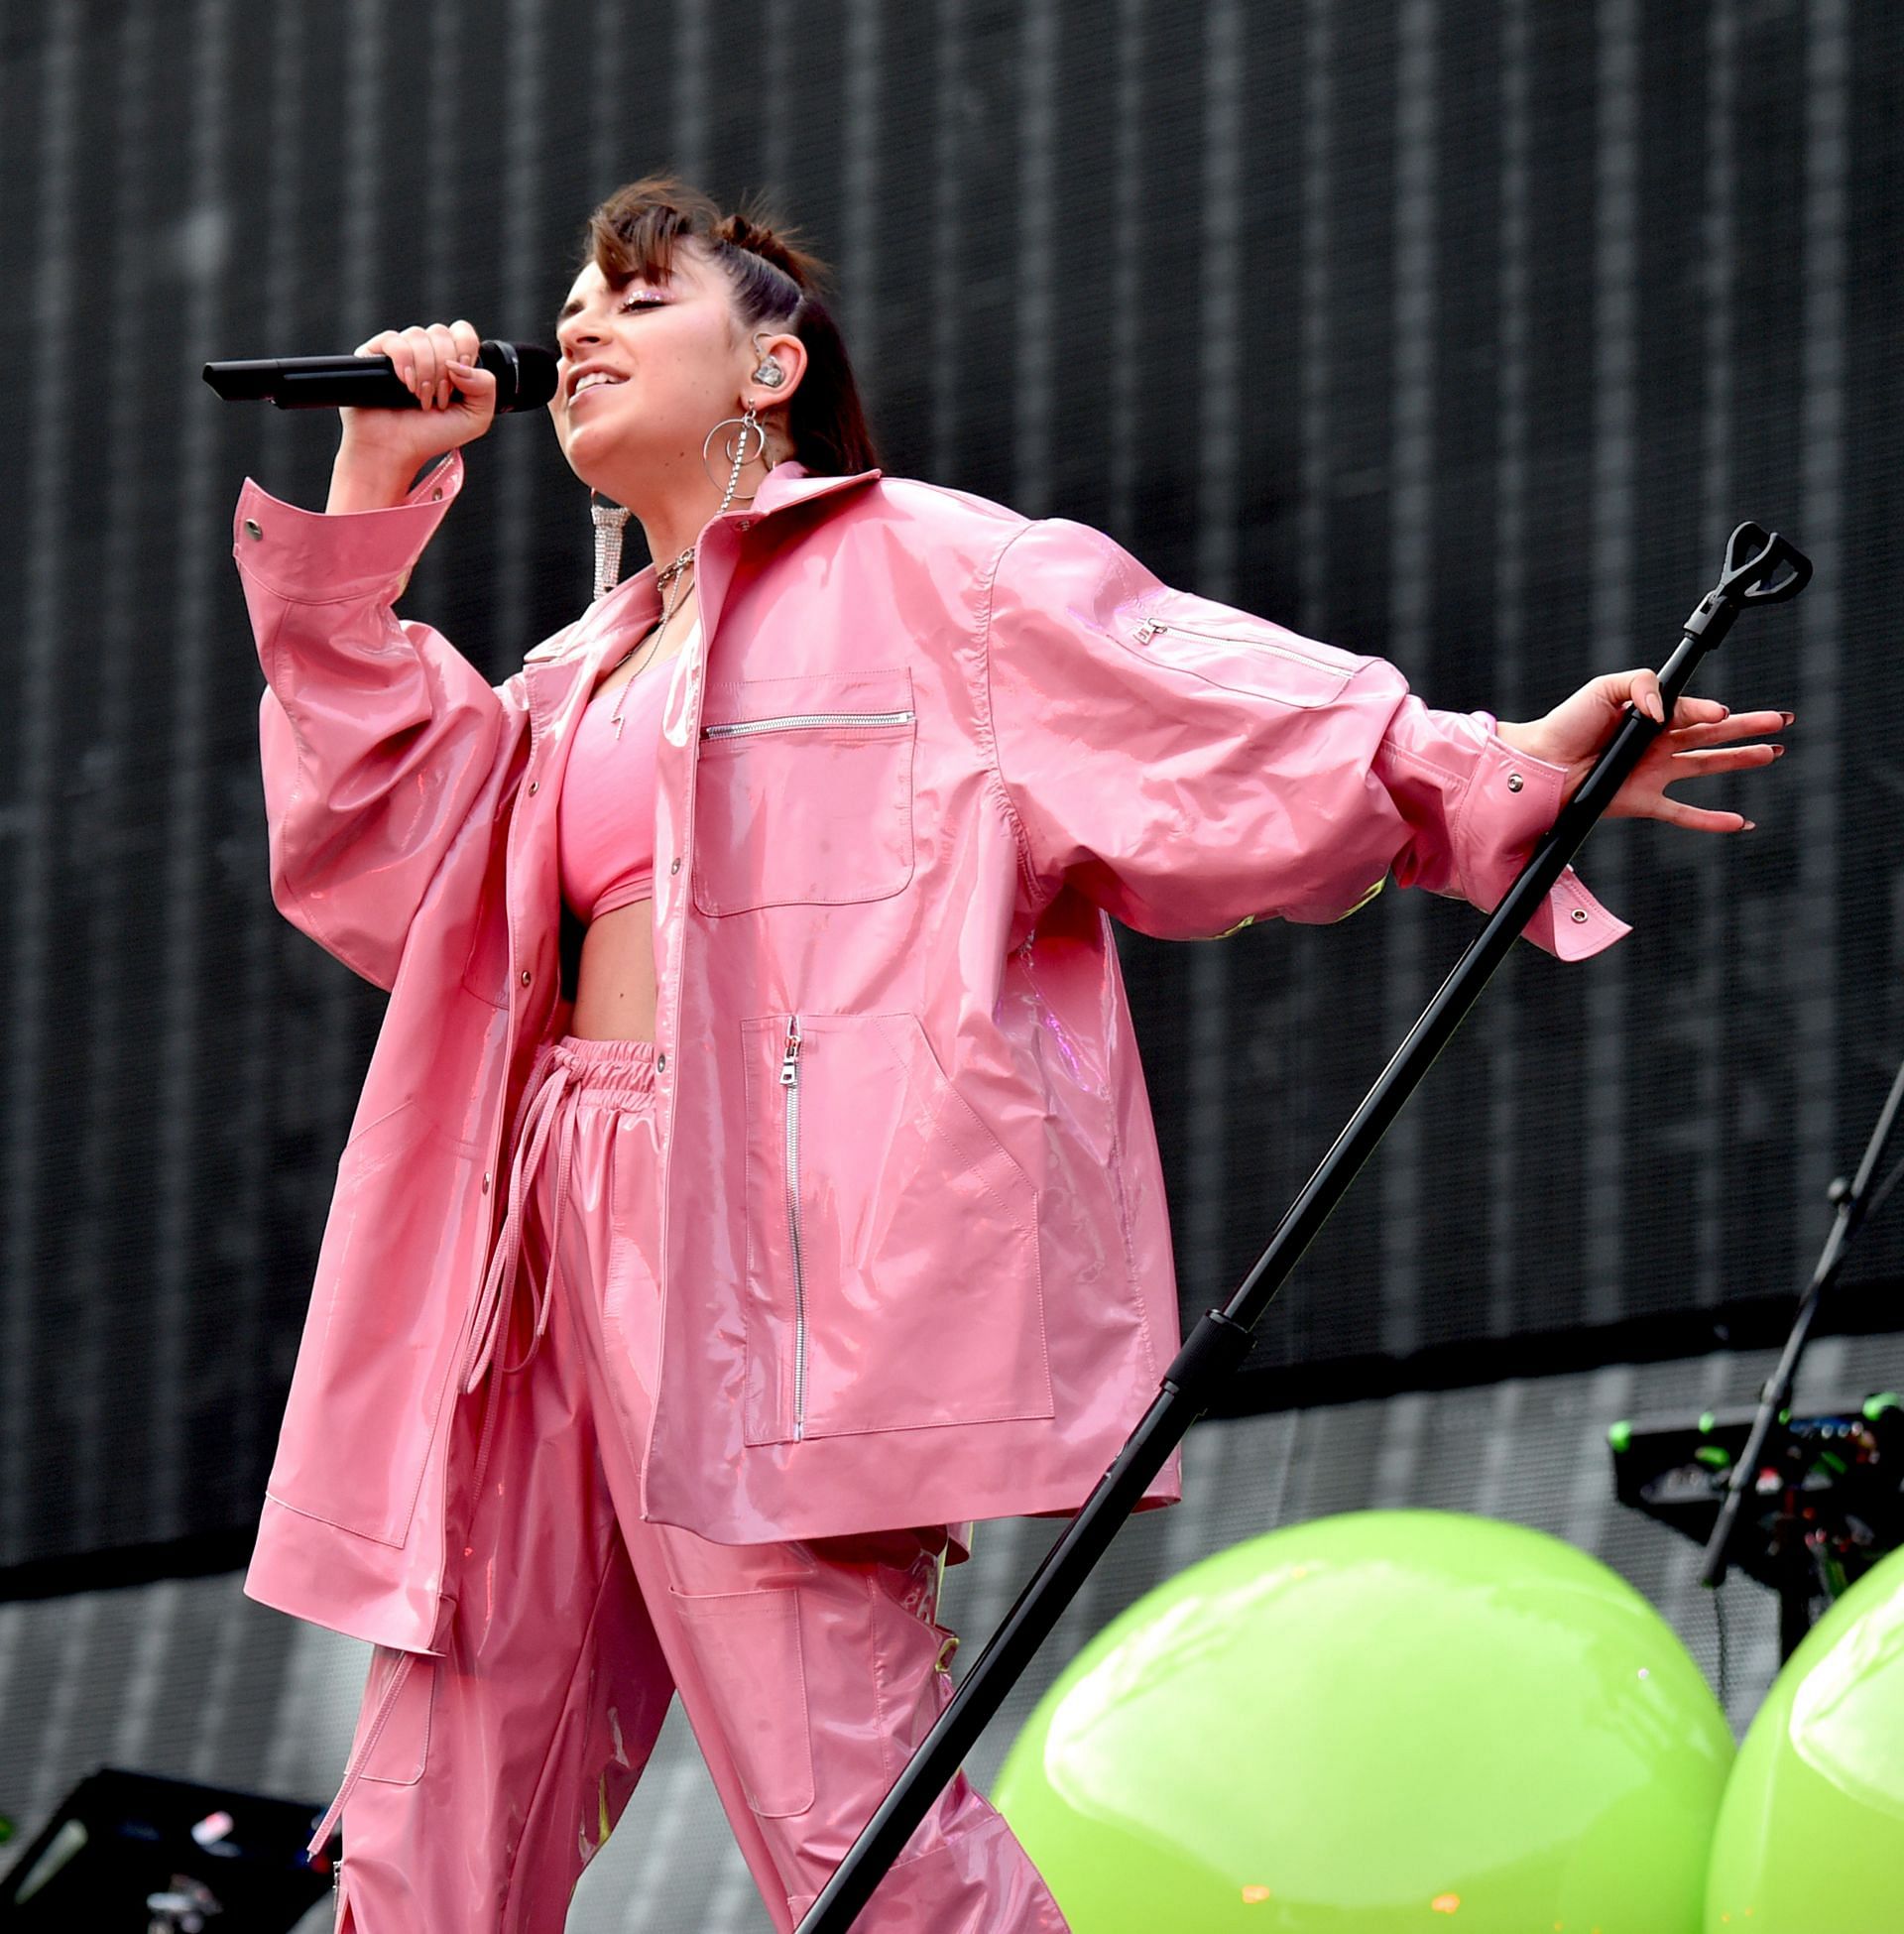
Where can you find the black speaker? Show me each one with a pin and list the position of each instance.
(131, 1852)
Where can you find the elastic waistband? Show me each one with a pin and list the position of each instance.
(623, 1069)
(617, 1072)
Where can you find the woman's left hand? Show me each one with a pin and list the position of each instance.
(1700, 740)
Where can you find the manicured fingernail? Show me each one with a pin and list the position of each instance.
(1778, 752)
(1655, 707)
(1788, 717)
(1748, 825)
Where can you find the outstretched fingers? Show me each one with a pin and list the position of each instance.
(1700, 762)
(1699, 819)
(1689, 712)
(1726, 728)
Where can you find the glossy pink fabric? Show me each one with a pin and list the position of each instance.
(1028, 733)
(606, 818)
(485, 1779)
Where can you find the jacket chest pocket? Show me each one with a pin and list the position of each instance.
(804, 791)
(892, 1277)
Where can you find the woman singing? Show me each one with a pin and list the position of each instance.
(754, 1182)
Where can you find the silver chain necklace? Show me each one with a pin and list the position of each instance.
(609, 519)
(673, 570)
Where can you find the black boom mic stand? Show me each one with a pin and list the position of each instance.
(1220, 1340)
(1856, 1203)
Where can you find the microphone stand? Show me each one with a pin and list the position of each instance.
(1856, 1201)
(1222, 1338)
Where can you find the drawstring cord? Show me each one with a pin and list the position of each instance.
(496, 1297)
(493, 1304)
(354, 1772)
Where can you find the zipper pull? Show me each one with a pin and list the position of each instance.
(1148, 631)
(789, 1054)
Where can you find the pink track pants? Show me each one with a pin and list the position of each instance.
(483, 1780)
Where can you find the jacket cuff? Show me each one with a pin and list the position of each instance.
(1512, 800)
(332, 556)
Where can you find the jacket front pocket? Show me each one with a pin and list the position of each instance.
(892, 1277)
(804, 791)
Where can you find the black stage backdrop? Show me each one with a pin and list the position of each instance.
(1461, 333)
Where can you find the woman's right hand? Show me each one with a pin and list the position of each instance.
(458, 400)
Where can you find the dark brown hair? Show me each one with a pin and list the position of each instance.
(775, 283)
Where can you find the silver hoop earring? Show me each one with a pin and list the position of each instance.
(609, 519)
(736, 450)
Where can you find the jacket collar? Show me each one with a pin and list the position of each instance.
(636, 598)
(790, 482)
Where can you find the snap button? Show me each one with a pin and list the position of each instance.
(484, 1182)
(1515, 782)
(253, 529)
(675, 866)
(534, 786)
(436, 495)
(524, 976)
(1580, 917)
(660, 1062)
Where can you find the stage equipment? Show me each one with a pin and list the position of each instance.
(1829, 1487)
(1811, 1829)
(131, 1849)
(1220, 1340)
(1368, 1721)
(1763, 1464)
(525, 374)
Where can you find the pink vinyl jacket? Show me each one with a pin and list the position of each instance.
(916, 1255)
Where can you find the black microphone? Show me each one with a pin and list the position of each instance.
(525, 374)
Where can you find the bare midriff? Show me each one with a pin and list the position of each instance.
(614, 989)
(614, 985)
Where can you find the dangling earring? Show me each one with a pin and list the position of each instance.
(608, 518)
(735, 448)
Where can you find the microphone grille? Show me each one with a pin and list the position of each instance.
(524, 373)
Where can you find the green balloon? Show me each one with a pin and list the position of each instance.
(1384, 1721)
(1811, 1833)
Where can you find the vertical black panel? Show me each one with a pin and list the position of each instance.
(1870, 947)
(1453, 659)
(1083, 135)
(905, 382)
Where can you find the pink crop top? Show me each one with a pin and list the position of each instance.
(605, 823)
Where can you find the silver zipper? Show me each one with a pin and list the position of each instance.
(735, 727)
(1150, 627)
(790, 1081)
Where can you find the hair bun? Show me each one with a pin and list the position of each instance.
(758, 239)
